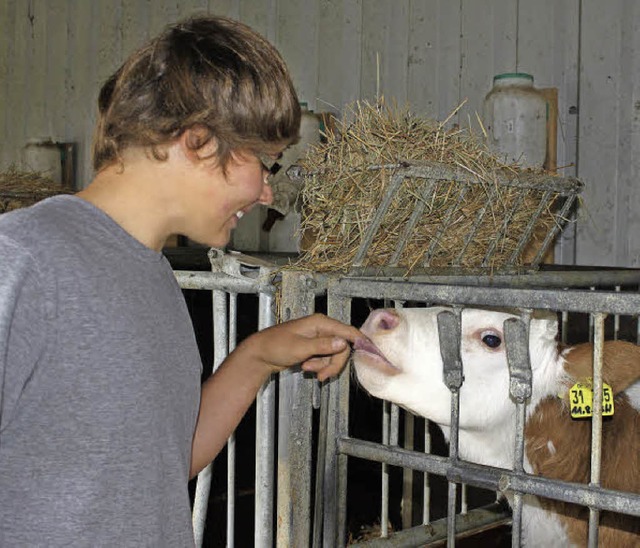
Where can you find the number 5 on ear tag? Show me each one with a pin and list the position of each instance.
(581, 400)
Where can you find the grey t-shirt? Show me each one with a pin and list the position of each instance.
(99, 384)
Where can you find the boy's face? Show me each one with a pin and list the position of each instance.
(217, 201)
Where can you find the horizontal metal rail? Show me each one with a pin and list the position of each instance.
(194, 279)
(493, 478)
(473, 522)
(447, 172)
(573, 300)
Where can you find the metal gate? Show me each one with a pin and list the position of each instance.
(301, 477)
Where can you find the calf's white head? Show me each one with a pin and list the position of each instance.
(402, 363)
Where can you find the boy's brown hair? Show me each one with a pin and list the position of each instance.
(207, 72)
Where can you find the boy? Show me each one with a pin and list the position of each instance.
(102, 417)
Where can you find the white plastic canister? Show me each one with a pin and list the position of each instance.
(515, 118)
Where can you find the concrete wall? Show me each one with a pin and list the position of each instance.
(431, 53)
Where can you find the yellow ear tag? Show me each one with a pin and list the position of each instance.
(581, 400)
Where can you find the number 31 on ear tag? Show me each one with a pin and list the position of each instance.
(581, 400)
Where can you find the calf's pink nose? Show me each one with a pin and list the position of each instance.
(382, 319)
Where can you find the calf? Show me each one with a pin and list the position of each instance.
(401, 362)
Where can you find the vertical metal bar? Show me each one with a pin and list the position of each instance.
(520, 377)
(616, 320)
(374, 225)
(591, 326)
(503, 229)
(565, 327)
(231, 443)
(491, 198)
(449, 335)
(560, 221)
(319, 507)
(295, 427)
(526, 234)
(425, 194)
(394, 433)
(335, 471)
(426, 487)
(446, 222)
(265, 439)
(464, 505)
(596, 422)
(407, 473)
(220, 352)
(391, 416)
(384, 497)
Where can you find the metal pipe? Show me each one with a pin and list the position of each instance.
(231, 442)
(596, 422)
(449, 335)
(265, 440)
(374, 225)
(492, 478)
(384, 494)
(335, 470)
(220, 352)
(426, 486)
(295, 427)
(444, 226)
(218, 281)
(569, 300)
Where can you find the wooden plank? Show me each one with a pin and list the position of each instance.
(260, 16)
(297, 41)
(396, 54)
(447, 57)
(598, 132)
(339, 54)
(374, 74)
(57, 68)
(425, 57)
(81, 92)
(227, 8)
(551, 97)
(565, 55)
(35, 91)
(488, 35)
(134, 27)
(8, 11)
(628, 164)
(188, 8)
(18, 96)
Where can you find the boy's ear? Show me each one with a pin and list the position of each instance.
(198, 144)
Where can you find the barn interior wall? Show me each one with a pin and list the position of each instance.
(431, 54)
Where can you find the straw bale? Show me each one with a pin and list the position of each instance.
(24, 188)
(348, 174)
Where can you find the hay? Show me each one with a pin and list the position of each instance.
(24, 188)
(454, 217)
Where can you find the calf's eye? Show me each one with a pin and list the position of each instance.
(491, 340)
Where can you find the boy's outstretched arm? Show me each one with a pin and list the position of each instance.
(319, 343)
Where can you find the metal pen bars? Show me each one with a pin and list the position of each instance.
(597, 303)
(315, 514)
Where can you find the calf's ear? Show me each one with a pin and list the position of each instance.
(621, 367)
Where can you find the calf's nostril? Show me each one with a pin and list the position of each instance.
(385, 320)
(380, 320)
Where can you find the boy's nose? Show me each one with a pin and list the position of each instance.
(266, 198)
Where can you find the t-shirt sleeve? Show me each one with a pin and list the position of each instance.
(23, 323)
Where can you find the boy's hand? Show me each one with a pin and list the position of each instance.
(320, 343)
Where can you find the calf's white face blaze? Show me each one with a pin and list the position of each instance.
(408, 339)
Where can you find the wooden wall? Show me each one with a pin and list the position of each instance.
(432, 54)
